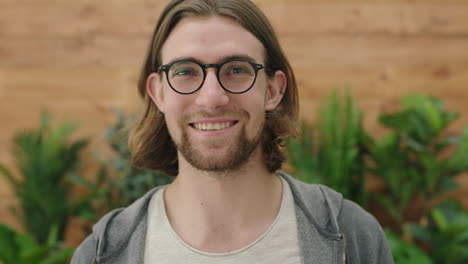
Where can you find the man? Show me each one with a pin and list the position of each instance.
(220, 99)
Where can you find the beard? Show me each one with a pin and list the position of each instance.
(232, 160)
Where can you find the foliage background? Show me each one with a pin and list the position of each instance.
(417, 160)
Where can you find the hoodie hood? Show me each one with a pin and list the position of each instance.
(123, 229)
(320, 204)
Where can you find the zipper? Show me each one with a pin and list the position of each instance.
(343, 236)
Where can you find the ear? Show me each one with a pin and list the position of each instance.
(154, 88)
(275, 90)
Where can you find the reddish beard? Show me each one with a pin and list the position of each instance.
(234, 158)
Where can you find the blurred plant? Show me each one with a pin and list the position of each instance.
(44, 157)
(16, 248)
(446, 232)
(337, 160)
(118, 183)
(402, 180)
(414, 158)
(417, 161)
(406, 253)
(132, 182)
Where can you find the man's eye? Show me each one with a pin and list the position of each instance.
(238, 70)
(183, 72)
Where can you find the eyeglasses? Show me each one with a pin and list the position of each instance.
(235, 76)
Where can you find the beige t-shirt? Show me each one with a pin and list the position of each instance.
(279, 244)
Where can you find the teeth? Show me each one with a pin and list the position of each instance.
(212, 126)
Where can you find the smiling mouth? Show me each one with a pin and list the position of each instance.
(213, 126)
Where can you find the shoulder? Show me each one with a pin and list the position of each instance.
(93, 246)
(86, 251)
(114, 231)
(328, 210)
(367, 242)
(319, 204)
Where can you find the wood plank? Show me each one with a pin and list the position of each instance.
(7, 200)
(130, 19)
(372, 51)
(80, 84)
(310, 50)
(81, 19)
(72, 52)
(441, 79)
(389, 19)
(88, 95)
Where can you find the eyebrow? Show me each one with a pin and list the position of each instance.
(223, 59)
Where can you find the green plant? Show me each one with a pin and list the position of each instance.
(44, 157)
(16, 248)
(402, 180)
(118, 183)
(406, 253)
(131, 182)
(417, 160)
(414, 159)
(446, 232)
(337, 160)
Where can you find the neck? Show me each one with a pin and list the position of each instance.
(219, 213)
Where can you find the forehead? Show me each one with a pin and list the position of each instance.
(210, 40)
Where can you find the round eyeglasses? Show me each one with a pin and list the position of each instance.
(235, 76)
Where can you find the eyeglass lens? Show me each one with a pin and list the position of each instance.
(235, 76)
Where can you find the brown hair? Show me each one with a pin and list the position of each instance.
(150, 142)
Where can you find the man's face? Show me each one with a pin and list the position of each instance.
(213, 129)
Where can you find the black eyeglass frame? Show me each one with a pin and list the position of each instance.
(165, 68)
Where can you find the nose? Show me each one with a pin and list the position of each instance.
(212, 95)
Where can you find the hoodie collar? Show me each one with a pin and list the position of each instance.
(123, 231)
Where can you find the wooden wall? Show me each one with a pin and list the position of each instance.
(80, 59)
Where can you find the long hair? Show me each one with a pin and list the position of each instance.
(150, 142)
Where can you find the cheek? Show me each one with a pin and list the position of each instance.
(254, 104)
(171, 123)
(175, 104)
(258, 98)
(174, 112)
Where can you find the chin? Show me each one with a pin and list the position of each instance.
(230, 158)
(227, 161)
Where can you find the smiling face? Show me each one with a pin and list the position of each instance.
(215, 130)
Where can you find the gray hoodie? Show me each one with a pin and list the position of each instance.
(331, 230)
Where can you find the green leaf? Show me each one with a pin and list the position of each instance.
(439, 219)
(420, 233)
(404, 252)
(60, 256)
(9, 177)
(52, 239)
(44, 157)
(389, 205)
(459, 160)
(9, 249)
(399, 121)
(447, 184)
